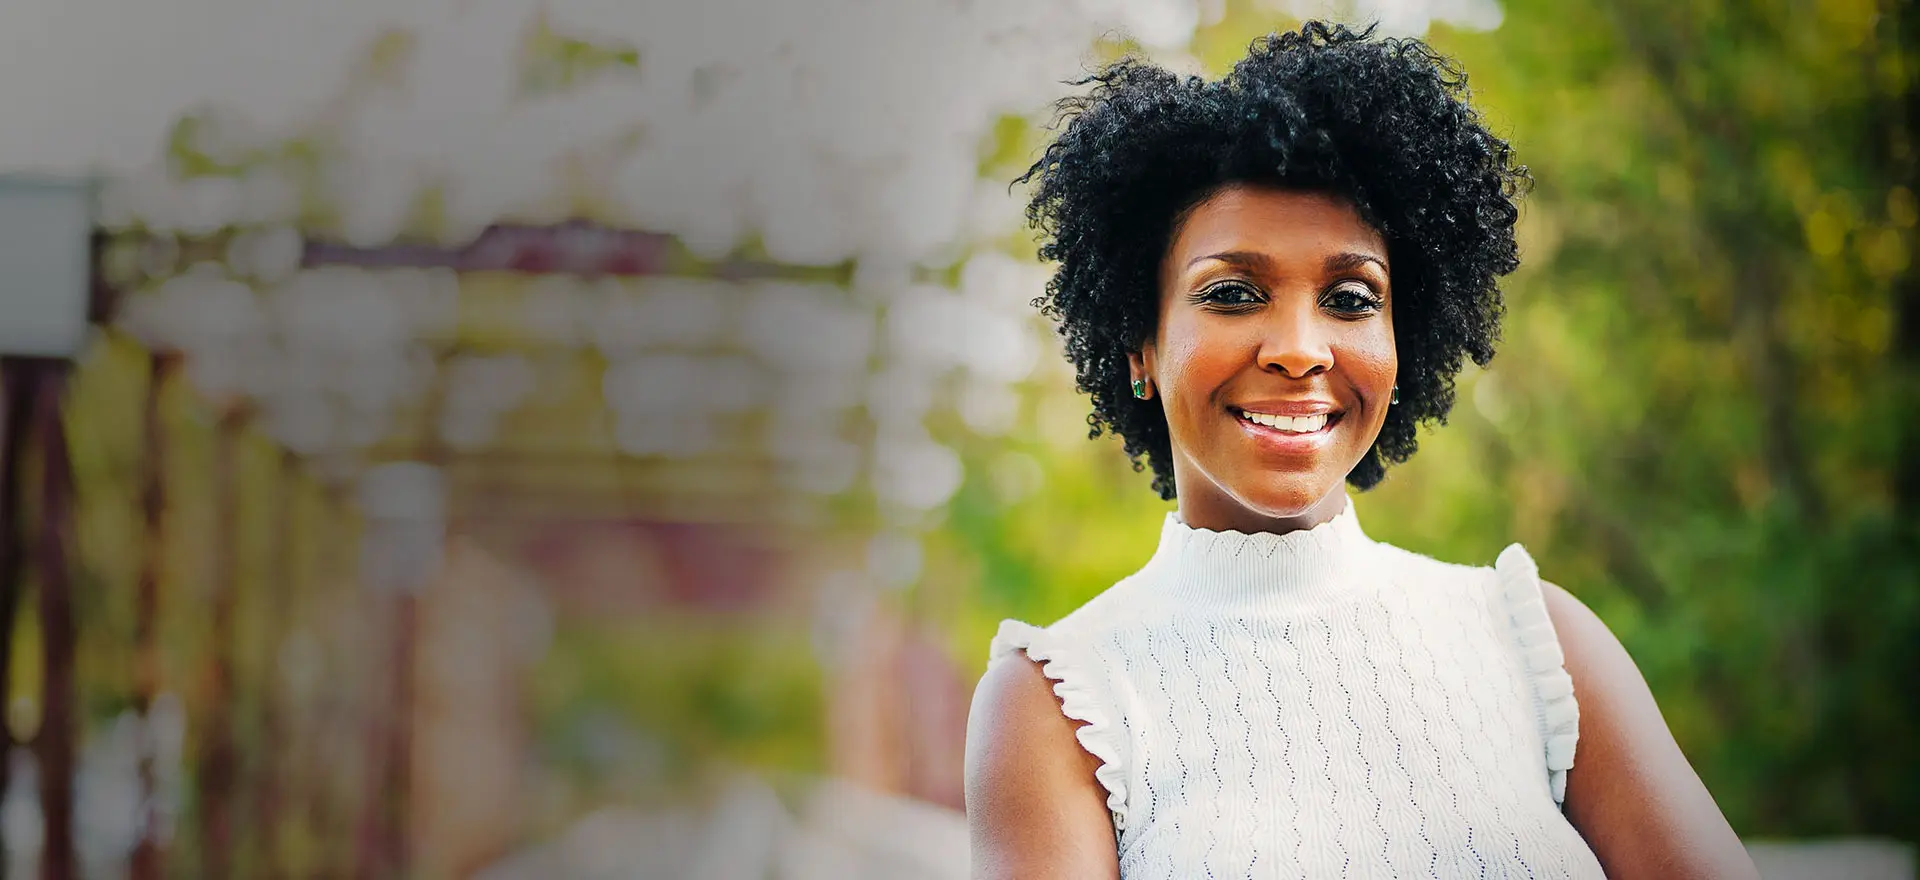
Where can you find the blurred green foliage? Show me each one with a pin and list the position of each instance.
(634, 707)
(1702, 420)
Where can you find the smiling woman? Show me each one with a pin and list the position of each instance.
(1265, 284)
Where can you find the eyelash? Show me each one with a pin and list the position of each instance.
(1212, 297)
(1369, 300)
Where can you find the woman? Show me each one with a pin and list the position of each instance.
(1266, 283)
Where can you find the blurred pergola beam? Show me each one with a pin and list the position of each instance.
(575, 247)
(570, 248)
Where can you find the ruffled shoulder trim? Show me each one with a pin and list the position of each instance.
(1557, 711)
(1084, 697)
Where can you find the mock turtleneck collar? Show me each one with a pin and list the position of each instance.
(1201, 565)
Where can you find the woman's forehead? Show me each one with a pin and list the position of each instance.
(1251, 221)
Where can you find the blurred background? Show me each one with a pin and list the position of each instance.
(581, 438)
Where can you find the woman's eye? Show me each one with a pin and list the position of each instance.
(1352, 299)
(1229, 294)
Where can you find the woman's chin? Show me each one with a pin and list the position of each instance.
(1288, 496)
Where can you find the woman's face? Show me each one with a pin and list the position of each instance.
(1274, 358)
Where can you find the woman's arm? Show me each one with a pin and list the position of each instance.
(1033, 805)
(1631, 793)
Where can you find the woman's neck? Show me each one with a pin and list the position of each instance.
(1218, 511)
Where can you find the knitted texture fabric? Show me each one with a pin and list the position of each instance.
(1317, 704)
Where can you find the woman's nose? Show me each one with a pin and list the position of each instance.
(1296, 342)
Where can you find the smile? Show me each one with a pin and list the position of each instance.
(1290, 424)
(1304, 432)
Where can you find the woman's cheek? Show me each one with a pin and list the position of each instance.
(1371, 364)
(1183, 362)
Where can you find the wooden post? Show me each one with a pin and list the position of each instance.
(55, 742)
(17, 410)
(389, 840)
(385, 830)
(399, 786)
(317, 754)
(271, 782)
(219, 755)
(146, 861)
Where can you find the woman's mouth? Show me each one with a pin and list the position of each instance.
(1289, 424)
(1289, 434)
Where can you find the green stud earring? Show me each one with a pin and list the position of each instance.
(1396, 395)
(1140, 388)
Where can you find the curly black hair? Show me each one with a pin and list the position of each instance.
(1384, 123)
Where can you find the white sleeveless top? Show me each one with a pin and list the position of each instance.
(1320, 705)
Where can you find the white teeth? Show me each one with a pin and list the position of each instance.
(1291, 425)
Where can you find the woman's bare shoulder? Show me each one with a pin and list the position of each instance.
(1034, 805)
(1632, 793)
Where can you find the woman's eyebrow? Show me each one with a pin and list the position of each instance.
(1353, 260)
(1251, 260)
(1257, 261)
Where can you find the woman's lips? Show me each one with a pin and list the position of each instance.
(1289, 433)
(1290, 424)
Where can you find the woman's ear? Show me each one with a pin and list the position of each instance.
(1140, 370)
